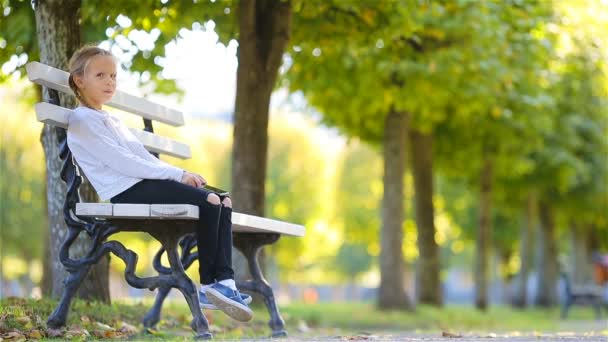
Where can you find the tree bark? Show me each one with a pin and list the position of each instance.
(46, 284)
(482, 255)
(58, 31)
(428, 283)
(265, 28)
(391, 294)
(546, 259)
(502, 256)
(520, 290)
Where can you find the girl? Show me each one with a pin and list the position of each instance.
(122, 170)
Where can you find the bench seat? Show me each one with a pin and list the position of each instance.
(241, 223)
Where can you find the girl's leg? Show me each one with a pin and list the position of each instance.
(207, 240)
(226, 298)
(223, 258)
(156, 191)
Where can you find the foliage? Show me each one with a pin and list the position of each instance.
(22, 189)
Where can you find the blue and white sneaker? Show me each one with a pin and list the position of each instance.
(206, 304)
(229, 301)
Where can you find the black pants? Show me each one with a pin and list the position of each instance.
(214, 226)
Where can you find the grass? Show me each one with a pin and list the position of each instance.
(28, 315)
(427, 318)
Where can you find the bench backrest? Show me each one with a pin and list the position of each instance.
(57, 81)
(55, 115)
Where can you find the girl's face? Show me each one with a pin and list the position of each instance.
(98, 84)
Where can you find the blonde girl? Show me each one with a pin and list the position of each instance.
(123, 171)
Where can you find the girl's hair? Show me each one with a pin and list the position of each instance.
(79, 62)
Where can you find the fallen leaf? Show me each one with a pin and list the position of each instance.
(104, 327)
(14, 336)
(85, 319)
(76, 332)
(153, 332)
(491, 335)
(23, 320)
(302, 326)
(109, 334)
(450, 335)
(35, 334)
(127, 328)
(54, 332)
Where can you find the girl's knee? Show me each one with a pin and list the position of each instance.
(213, 199)
(227, 202)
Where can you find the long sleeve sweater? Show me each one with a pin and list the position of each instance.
(112, 158)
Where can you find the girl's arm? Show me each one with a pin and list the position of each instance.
(93, 136)
(136, 144)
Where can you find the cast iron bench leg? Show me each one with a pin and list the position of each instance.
(250, 245)
(72, 282)
(185, 285)
(153, 316)
(187, 243)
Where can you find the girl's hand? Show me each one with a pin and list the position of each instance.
(193, 179)
(201, 181)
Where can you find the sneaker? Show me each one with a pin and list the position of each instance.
(246, 298)
(229, 301)
(206, 304)
(204, 301)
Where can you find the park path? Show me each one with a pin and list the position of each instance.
(568, 331)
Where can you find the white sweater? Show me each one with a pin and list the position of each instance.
(111, 157)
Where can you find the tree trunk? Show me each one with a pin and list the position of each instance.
(482, 245)
(46, 284)
(546, 259)
(428, 283)
(520, 290)
(265, 27)
(58, 33)
(581, 261)
(500, 268)
(391, 294)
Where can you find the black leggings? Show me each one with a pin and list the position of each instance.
(214, 226)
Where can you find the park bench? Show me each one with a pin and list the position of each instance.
(587, 295)
(172, 225)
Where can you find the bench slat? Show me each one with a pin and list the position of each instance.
(241, 222)
(171, 211)
(59, 116)
(133, 211)
(58, 79)
(256, 224)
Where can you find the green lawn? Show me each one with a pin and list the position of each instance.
(302, 320)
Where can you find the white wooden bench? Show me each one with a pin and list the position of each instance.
(172, 224)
